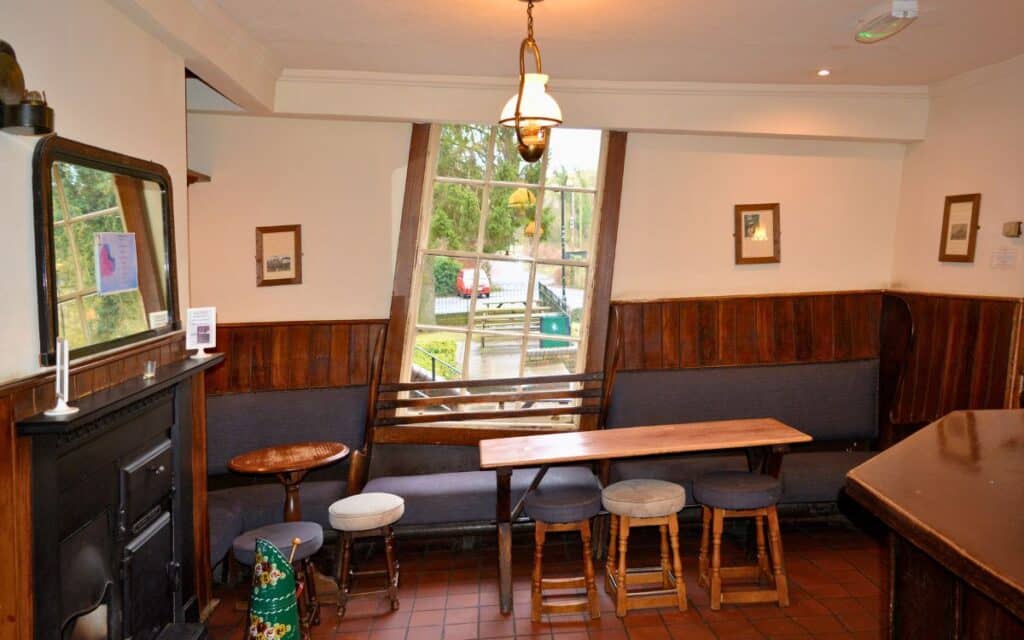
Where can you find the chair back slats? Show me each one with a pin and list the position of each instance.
(499, 397)
(498, 414)
(492, 382)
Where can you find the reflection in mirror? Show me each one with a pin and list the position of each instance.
(106, 267)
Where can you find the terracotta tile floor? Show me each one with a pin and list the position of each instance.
(837, 577)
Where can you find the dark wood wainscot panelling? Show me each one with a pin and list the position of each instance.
(710, 332)
(961, 357)
(279, 356)
(26, 397)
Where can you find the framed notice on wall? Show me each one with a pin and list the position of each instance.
(757, 233)
(960, 228)
(278, 255)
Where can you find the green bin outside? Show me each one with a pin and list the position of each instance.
(555, 325)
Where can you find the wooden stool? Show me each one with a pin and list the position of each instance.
(738, 494)
(644, 503)
(364, 515)
(281, 535)
(563, 509)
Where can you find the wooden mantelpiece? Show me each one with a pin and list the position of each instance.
(952, 495)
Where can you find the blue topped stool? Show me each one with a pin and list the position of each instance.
(283, 535)
(563, 509)
(738, 494)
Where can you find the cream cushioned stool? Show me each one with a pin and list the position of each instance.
(364, 515)
(644, 503)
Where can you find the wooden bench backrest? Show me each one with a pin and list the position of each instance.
(389, 420)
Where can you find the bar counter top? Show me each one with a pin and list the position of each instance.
(955, 489)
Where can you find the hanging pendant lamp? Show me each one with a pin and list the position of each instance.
(532, 111)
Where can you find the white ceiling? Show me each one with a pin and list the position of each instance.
(768, 41)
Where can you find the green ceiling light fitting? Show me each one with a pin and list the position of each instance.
(21, 112)
(887, 20)
(532, 111)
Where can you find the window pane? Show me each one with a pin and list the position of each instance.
(495, 356)
(510, 222)
(84, 243)
(456, 217)
(67, 278)
(69, 324)
(560, 291)
(437, 355)
(114, 316)
(444, 292)
(58, 202)
(508, 166)
(87, 190)
(573, 213)
(508, 282)
(463, 151)
(573, 157)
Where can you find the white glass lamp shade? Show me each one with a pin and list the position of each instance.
(538, 108)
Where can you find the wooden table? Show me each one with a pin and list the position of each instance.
(290, 463)
(953, 495)
(764, 438)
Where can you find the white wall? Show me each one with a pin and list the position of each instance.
(111, 85)
(838, 206)
(974, 144)
(342, 181)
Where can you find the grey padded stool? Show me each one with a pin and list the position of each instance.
(311, 537)
(364, 515)
(563, 509)
(644, 503)
(739, 494)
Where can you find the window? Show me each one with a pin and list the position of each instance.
(506, 253)
(86, 202)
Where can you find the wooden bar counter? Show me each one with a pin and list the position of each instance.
(953, 495)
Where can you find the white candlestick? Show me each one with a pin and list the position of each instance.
(60, 382)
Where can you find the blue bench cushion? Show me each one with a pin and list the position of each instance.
(238, 509)
(829, 400)
(240, 422)
(737, 490)
(468, 496)
(818, 476)
(682, 470)
(557, 503)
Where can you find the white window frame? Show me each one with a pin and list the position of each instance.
(486, 184)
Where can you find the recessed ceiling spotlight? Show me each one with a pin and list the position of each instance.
(824, 73)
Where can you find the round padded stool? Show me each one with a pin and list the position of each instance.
(281, 535)
(644, 503)
(739, 494)
(568, 508)
(364, 515)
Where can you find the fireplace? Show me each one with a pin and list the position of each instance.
(112, 514)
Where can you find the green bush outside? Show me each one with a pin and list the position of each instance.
(446, 270)
(442, 347)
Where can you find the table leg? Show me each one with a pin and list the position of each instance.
(504, 518)
(292, 507)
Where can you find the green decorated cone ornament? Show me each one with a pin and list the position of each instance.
(274, 612)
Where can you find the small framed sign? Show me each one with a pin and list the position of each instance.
(960, 228)
(757, 233)
(201, 330)
(278, 255)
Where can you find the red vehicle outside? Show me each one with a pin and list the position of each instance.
(464, 284)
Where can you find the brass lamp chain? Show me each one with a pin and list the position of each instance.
(528, 44)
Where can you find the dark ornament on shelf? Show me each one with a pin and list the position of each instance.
(21, 112)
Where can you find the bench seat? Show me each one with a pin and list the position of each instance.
(468, 496)
(817, 476)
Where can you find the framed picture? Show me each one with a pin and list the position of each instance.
(960, 228)
(757, 233)
(278, 255)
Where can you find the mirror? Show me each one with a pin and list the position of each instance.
(104, 248)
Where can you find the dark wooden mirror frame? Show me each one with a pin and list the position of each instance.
(55, 149)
